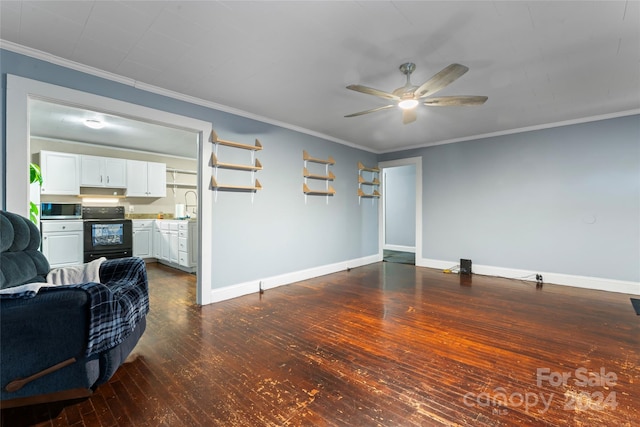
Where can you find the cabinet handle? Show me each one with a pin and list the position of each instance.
(107, 179)
(64, 226)
(100, 178)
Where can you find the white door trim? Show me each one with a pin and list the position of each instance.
(417, 161)
(20, 90)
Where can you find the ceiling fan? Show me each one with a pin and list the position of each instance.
(409, 96)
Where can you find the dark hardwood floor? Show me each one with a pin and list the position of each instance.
(381, 345)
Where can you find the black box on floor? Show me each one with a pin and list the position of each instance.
(465, 266)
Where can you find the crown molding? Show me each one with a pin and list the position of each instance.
(47, 57)
(522, 130)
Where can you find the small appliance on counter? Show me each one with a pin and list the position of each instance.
(50, 210)
(181, 211)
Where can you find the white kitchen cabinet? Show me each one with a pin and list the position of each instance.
(188, 244)
(62, 242)
(146, 179)
(179, 244)
(98, 171)
(143, 238)
(169, 239)
(173, 242)
(60, 173)
(157, 240)
(164, 241)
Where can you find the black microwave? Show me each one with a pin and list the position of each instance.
(60, 211)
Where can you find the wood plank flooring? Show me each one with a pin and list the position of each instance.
(381, 345)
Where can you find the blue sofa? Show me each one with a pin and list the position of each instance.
(61, 342)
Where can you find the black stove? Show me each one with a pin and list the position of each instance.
(106, 233)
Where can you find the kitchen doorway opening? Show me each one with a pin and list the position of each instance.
(22, 92)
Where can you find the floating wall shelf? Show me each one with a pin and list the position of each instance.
(216, 140)
(363, 194)
(327, 176)
(375, 181)
(215, 162)
(175, 184)
(364, 168)
(329, 192)
(217, 186)
(253, 167)
(372, 181)
(307, 158)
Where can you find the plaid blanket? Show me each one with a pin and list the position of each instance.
(115, 306)
(118, 306)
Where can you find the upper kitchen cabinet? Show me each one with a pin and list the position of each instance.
(103, 172)
(60, 173)
(146, 179)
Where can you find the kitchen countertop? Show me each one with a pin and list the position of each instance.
(148, 216)
(166, 217)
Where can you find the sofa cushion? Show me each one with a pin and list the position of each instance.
(20, 260)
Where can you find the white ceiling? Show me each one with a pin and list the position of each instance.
(538, 62)
(67, 123)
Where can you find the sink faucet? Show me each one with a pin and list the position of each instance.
(186, 203)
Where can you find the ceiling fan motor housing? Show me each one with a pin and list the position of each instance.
(408, 68)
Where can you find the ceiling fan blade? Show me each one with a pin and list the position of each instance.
(455, 101)
(373, 110)
(441, 80)
(409, 116)
(372, 91)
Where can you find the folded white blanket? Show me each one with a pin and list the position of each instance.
(28, 289)
(89, 272)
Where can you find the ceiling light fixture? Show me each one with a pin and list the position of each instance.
(94, 123)
(408, 104)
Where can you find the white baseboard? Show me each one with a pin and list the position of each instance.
(400, 248)
(246, 288)
(597, 283)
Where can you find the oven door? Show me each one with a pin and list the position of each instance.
(107, 238)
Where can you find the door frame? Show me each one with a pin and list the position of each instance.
(417, 161)
(18, 94)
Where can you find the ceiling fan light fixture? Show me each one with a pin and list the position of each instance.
(408, 104)
(409, 96)
(94, 123)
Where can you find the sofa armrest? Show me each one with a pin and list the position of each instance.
(39, 332)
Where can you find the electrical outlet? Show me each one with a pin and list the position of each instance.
(539, 279)
(131, 209)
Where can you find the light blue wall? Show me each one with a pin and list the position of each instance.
(279, 232)
(400, 205)
(563, 200)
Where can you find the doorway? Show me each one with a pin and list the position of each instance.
(401, 211)
(21, 91)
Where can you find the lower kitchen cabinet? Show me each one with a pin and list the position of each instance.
(62, 242)
(176, 243)
(143, 238)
